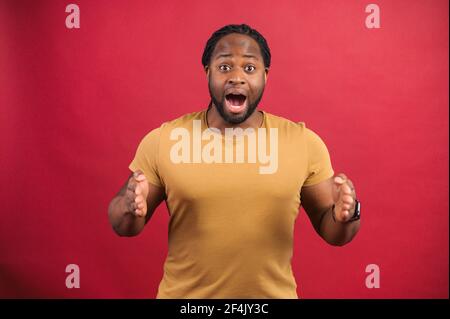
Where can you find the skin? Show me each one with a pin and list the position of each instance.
(134, 205)
(236, 62)
(318, 200)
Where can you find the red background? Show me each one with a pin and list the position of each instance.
(76, 102)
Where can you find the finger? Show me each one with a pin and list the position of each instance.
(340, 178)
(341, 213)
(346, 206)
(139, 212)
(138, 190)
(347, 199)
(352, 187)
(139, 199)
(346, 185)
(132, 206)
(345, 215)
(130, 198)
(137, 173)
(132, 185)
(350, 183)
(345, 188)
(140, 206)
(343, 210)
(140, 178)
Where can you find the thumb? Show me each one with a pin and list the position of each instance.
(139, 176)
(340, 179)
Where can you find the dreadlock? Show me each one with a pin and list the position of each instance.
(236, 28)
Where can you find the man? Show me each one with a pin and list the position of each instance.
(232, 209)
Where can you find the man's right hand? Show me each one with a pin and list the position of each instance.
(136, 194)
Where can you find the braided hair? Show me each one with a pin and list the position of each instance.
(236, 28)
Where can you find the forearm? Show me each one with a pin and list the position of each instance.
(124, 222)
(337, 233)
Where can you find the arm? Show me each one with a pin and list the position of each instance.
(318, 200)
(134, 204)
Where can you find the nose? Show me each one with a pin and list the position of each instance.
(236, 78)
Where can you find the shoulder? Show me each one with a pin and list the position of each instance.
(182, 121)
(297, 129)
(286, 124)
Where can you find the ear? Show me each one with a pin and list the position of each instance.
(207, 71)
(266, 75)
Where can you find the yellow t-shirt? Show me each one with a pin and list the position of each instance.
(231, 220)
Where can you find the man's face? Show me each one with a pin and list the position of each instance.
(236, 77)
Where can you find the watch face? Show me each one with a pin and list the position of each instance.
(357, 213)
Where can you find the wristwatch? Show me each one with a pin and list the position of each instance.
(357, 213)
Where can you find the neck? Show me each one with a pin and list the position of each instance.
(214, 119)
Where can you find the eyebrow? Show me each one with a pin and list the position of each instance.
(226, 55)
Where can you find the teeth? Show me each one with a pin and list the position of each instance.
(236, 93)
(236, 104)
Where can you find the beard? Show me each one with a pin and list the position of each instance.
(235, 118)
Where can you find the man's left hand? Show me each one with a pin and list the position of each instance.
(344, 198)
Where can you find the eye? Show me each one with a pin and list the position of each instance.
(223, 67)
(250, 68)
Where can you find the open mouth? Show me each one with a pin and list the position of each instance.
(235, 103)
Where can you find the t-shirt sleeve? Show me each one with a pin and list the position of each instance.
(319, 163)
(146, 158)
